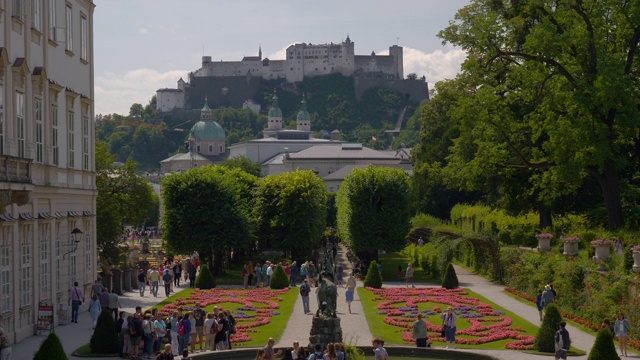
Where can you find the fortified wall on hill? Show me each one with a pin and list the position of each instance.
(236, 83)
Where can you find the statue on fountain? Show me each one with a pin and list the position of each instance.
(328, 292)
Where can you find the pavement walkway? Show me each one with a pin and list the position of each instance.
(73, 336)
(355, 329)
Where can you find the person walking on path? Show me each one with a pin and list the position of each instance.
(76, 297)
(96, 288)
(419, 332)
(562, 342)
(449, 325)
(5, 346)
(154, 279)
(547, 296)
(621, 328)
(348, 296)
(104, 299)
(142, 281)
(409, 275)
(114, 303)
(305, 289)
(177, 271)
(351, 281)
(94, 309)
(167, 278)
(539, 303)
(294, 274)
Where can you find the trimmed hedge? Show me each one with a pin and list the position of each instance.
(51, 349)
(279, 279)
(545, 338)
(604, 348)
(105, 339)
(450, 280)
(373, 278)
(205, 278)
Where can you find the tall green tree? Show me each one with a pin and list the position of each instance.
(123, 196)
(244, 163)
(553, 90)
(374, 210)
(290, 211)
(206, 210)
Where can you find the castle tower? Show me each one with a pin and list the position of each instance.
(396, 52)
(260, 52)
(304, 119)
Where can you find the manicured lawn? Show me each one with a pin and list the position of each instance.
(390, 262)
(425, 299)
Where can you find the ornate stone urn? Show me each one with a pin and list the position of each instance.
(571, 245)
(603, 252)
(544, 242)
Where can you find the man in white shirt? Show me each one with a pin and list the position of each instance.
(269, 273)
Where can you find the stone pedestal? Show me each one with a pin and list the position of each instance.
(134, 277)
(325, 330)
(107, 280)
(570, 248)
(602, 256)
(636, 261)
(544, 244)
(117, 282)
(126, 277)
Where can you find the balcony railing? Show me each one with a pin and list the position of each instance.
(15, 169)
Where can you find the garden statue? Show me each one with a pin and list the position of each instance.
(328, 292)
(325, 326)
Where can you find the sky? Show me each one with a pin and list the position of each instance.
(144, 45)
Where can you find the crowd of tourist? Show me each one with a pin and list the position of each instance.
(186, 329)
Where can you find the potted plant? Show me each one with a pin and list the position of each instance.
(571, 245)
(636, 258)
(544, 241)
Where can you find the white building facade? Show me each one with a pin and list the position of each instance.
(47, 157)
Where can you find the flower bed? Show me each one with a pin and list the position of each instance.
(255, 307)
(478, 322)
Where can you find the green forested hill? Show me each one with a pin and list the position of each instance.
(147, 136)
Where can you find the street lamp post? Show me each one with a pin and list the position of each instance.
(76, 235)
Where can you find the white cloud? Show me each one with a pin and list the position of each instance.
(435, 66)
(279, 54)
(116, 92)
(143, 31)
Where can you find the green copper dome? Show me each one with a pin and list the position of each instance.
(303, 114)
(208, 130)
(275, 111)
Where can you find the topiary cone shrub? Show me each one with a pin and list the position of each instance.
(51, 349)
(545, 338)
(105, 339)
(603, 348)
(373, 278)
(205, 278)
(279, 279)
(450, 280)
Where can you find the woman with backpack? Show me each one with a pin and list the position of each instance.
(184, 329)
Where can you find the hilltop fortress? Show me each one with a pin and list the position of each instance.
(234, 83)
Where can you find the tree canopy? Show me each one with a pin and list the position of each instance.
(551, 89)
(291, 211)
(206, 210)
(123, 196)
(374, 210)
